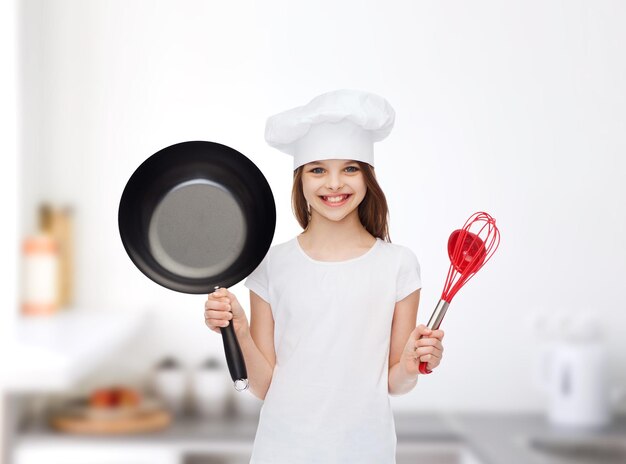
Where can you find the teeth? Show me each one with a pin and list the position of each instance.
(336, 199)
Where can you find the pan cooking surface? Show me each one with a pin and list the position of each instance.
(197, 230)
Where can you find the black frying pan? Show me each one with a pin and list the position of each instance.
(197, 216)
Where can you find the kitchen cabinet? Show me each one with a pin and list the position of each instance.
(215, 459)
(435, 453)
(407, 453)
(110, 453)
(103, 453)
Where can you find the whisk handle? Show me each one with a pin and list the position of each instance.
(433, 324)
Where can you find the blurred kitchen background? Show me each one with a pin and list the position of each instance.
(517, 108)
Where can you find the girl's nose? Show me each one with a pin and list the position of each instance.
(334, 181)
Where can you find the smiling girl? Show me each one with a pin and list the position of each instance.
(333, 311)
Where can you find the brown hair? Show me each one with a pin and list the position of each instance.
(373, 210)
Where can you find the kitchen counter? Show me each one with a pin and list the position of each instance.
(234, 430)
(492, 438)
(508, 439)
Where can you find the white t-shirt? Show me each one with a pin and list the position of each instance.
(328, 401)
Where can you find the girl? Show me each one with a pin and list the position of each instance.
(333, 311)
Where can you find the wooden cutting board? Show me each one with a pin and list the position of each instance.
(142, 422)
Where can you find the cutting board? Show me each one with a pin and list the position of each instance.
(88, 421)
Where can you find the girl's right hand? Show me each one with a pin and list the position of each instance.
(221, 308)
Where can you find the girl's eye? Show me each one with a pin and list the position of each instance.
(354, 169)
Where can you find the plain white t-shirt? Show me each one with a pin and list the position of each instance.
(328, 401)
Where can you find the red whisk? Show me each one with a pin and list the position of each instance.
(468, 252)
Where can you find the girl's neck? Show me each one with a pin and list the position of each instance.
(335, 237)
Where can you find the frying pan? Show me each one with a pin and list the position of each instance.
(197, 216)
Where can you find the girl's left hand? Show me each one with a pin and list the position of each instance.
(424, 345)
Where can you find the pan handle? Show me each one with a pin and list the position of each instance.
(234, 357)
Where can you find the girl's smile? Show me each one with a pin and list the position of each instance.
(335, 201)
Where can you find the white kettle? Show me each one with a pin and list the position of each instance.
(576, 379)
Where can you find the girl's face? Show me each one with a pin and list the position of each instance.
(334, 188)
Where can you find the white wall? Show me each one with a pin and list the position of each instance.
(9, 192)
(516, 108)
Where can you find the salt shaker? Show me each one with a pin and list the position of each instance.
(211, 389)
(170, 384)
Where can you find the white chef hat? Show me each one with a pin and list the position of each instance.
(342, 124)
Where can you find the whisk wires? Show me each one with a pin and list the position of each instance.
(469, 251)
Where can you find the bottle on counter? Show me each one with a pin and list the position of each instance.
(56, 222)
(40, 266)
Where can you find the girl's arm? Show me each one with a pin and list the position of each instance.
(407, 351)
(404, 320)
(257, 346)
